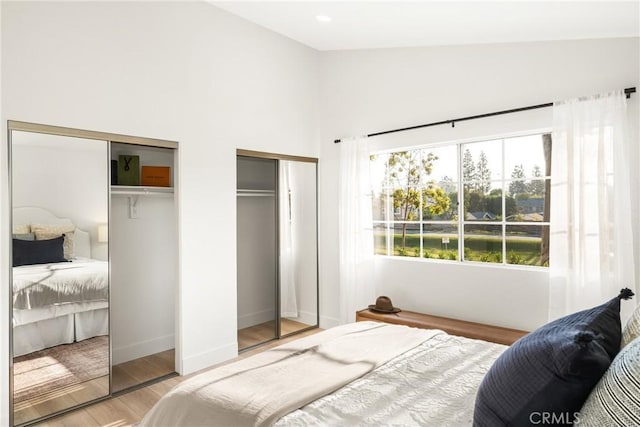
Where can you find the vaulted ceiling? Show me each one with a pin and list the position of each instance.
(382, 24)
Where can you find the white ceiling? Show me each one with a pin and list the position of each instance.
(382, 24)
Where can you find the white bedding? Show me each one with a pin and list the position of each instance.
(434, 384)
(59, 303)
(369, 373)
(62, 329)
(45, 285)
(23, 317)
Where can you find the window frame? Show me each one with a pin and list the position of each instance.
(388, 224)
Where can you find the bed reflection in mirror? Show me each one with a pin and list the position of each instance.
(60, 273)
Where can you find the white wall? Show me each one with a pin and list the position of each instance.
(257, 258)
(180, 71)
(143, 277)
(374, 90)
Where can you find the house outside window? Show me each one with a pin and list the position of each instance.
(485, 201)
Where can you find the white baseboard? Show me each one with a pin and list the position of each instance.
(327, 322)
(306, 317)
(256, 318)
(209, 358)
(141, 349)
(310, 319)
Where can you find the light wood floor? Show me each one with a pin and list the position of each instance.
(266, 331)
(144, 369)
(130, 408)
(60, 399)
(124, 375)
(43, 374)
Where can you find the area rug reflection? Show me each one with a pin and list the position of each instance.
(60, 366)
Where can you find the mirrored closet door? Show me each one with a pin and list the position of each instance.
(60, 274)
(298, 246)
(276, 246)
(94, 278)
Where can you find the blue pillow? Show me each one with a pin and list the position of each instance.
(545, 377)
(27, 252)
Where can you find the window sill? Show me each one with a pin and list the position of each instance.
(465, 263)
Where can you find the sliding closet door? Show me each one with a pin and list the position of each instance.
(298, 246)
(60, 274)
(95, 266)
(257, 250)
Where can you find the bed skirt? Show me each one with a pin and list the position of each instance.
(62, 329)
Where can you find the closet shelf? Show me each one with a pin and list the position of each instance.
(130, 190)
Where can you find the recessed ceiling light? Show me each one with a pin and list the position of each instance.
(323, 18)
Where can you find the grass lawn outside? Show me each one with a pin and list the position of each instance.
(521, 250)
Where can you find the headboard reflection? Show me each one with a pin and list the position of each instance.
(26, 215)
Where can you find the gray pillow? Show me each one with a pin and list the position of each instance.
(632, 330)
(615, 400)
(25, 236)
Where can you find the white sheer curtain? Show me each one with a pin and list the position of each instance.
(288, 300)
(591, 247)
(357, 289)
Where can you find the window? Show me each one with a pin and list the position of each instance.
(504, 215)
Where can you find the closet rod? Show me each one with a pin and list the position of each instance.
(627, 91)
(255, 195)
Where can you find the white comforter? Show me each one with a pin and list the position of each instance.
(42, 285)
(434, 384)
(391, 361)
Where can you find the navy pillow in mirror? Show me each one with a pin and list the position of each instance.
(26, 252)
(549, 373)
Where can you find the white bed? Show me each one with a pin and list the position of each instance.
(568, 371)
(58, 303)
(404, 376)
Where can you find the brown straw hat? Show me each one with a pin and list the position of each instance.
(383, 305)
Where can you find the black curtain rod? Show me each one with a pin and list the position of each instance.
(627, 91)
